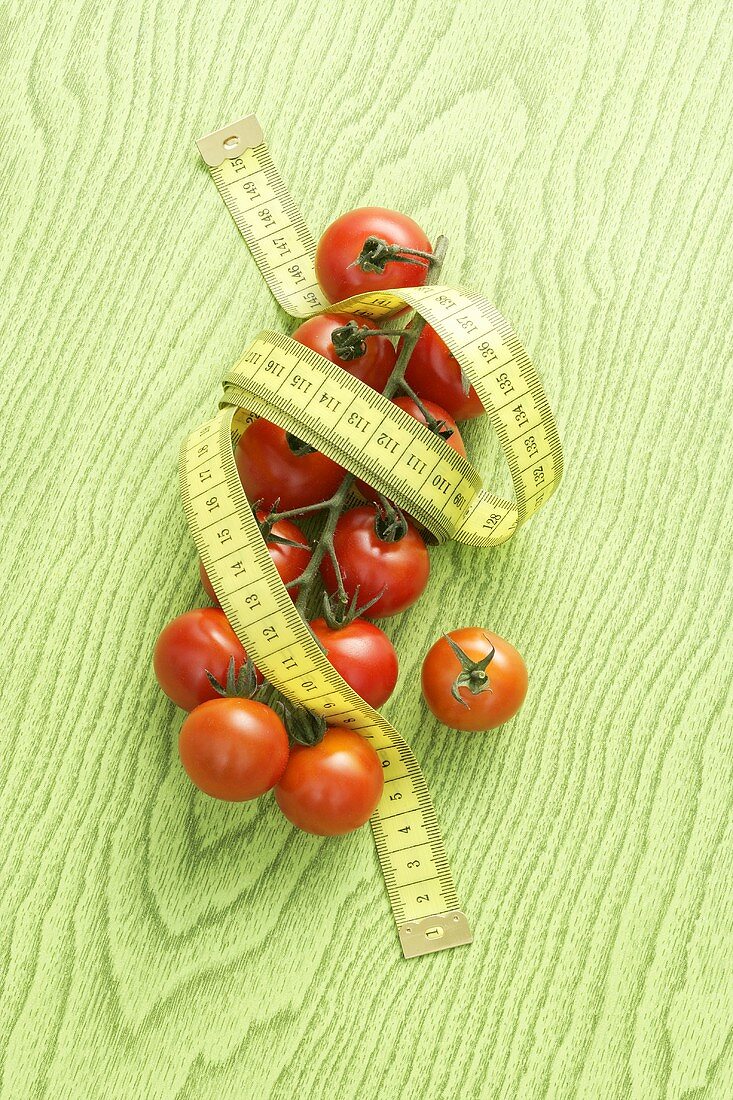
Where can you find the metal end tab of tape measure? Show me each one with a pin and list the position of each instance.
(306, 394)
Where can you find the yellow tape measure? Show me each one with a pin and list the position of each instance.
(363, 431)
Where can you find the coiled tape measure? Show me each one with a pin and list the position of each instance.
(363, 431)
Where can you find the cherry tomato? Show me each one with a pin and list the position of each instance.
(232, 748)
(332, 787)
(196, 642)
(343, 241)
(435, 373)
(370, 563)
(499, 692)
(290, 561)
(269, 468)
(363, 655)
(374, 366)
(455, 441)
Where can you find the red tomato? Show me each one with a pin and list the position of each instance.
(497, 698)
(196, 642)
(270, 469)
(455, 441)
(343, 241)
(290, 561)
(435, 373)
(363, 655)
(332, 787)
(371, 564)
(232, 748)
(374, 366)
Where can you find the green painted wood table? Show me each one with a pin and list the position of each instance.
(158, 944)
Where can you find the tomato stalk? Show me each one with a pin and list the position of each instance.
(376, 253)
(348, 340)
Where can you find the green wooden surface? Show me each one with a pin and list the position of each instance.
(157, 944)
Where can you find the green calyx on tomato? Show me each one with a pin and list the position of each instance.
(376, 253)
(239, 685)
(390, 523)
(349, 340)
(339, 613)
(473, 674)
(303, 727)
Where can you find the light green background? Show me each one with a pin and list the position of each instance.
(156, 944)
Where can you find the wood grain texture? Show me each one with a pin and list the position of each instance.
(156, 944)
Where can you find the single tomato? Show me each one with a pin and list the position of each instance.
(290, 561)
(232, 748)
(195, 643)
(337, 269)
(370, 358)
(273, 465)
(386, 560)
(435, 373)
(332, 787)
(473, 679)
(363, 655)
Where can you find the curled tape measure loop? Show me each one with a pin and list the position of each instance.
(363, 431)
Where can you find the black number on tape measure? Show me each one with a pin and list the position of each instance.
(467, 324)
(203, 449)
(405, 829)
(413, 863)
(386, 441)
(486, 350)
(205, 475)
(531, 446)
(253, 600)
(459, 500)
(416, 464)
(250, 188)
(224, 535)
(385, 763)
(308, 685)
(423, 897)
(212, 503)
(395, 797)
(520, 416)
(280, 244)
(312, 298)
(331, 403)
(539, 475)
(441, 483)
(504, 381)
(238, 163)
(273, 367)
(239, 568)
(492, 521)
(266, 216)
(269, 633)
(357, 421)
(444, 300)
(297, 274)
(290, 662)
(300, 383)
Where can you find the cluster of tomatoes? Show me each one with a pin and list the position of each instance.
(236, 746)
